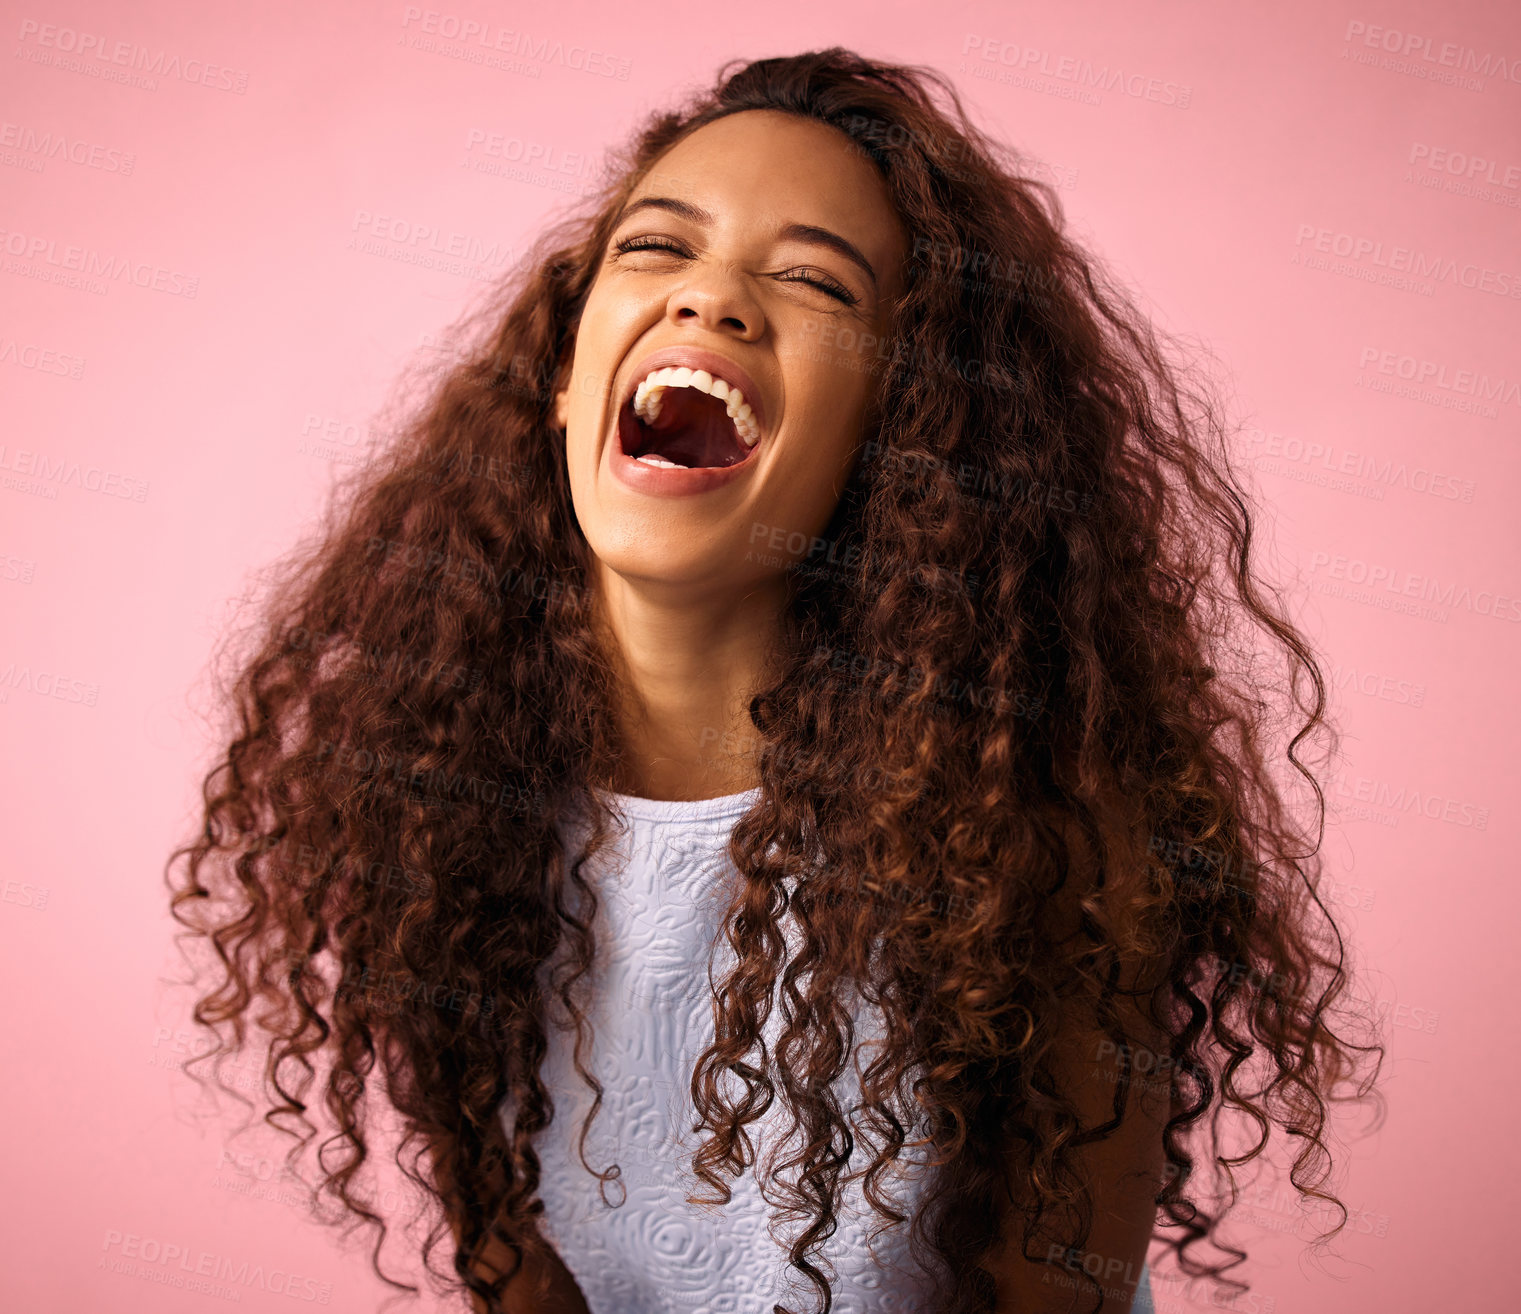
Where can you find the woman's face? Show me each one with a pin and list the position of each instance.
(772, 258)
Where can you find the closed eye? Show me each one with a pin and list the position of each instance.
(803, 274)
(820, 280)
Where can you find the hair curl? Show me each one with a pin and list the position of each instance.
(1016, 751)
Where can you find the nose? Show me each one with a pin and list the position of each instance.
(719, 300)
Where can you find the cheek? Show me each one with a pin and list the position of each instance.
(830, 410)
(591, 363)
(825, 431)
(848, 347)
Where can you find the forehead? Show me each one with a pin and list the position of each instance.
(764, 164)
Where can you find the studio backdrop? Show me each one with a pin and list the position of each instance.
(229, 234)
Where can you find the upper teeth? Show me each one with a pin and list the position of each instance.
(648, 394)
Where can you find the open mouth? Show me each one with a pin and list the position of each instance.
(677, 424)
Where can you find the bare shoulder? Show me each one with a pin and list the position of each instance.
(1124, 1170)
(542, 1283)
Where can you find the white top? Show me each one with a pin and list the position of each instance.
(663, 892)
(663, 887)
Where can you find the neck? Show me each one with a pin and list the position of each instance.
(690, 664)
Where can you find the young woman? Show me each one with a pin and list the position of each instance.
(772, 780)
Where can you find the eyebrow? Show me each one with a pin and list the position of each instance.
(809, 233)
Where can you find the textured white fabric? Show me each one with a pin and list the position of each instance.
(663, 888)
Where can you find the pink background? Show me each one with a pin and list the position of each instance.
(223, 415)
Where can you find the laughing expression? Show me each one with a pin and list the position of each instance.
(726, 362)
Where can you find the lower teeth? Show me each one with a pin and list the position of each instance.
(649, 458)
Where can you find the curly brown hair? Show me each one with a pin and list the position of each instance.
(1018, 751)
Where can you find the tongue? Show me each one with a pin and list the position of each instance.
(693, 429)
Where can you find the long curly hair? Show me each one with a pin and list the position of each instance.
(1038, 736)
